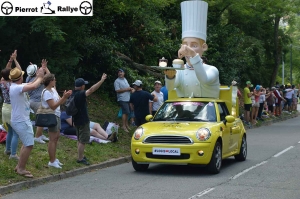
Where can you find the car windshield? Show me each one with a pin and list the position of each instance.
(186, 111)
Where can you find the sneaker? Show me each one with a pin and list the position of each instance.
(44, 138)
(83, 161)
(85, 158)
(15, 157)
(112, 136)
(54, 164)
(39, 140)
(7, 152)
(59, 163)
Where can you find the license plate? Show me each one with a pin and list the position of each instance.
(166, 151)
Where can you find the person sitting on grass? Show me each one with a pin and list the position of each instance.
(95, 129)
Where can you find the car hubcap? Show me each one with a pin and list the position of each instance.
(244, 147)
(218, 157)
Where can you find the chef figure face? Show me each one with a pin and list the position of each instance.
(196, 45)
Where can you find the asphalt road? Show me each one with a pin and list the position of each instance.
(271, 171)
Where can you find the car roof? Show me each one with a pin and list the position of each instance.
(197, 99)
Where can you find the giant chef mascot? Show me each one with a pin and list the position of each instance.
(197, 79)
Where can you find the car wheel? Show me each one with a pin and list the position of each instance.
(215, 163)
(243, 150)
(139, 167)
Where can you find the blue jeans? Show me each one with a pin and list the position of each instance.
(12, 139)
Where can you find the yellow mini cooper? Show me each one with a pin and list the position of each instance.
(190, 131)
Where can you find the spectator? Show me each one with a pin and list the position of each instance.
(278, 100)
(123, 95)
(35, 98)
(262, 100)
(247, 102)
(289, 95)
(154, 106)
(12, 137)
(270, 99)
(20, 120)
(95, 129)
(81, 119)
(139, 102)
(51, 99)
(238, 92)
(255, 106)
(295, 98)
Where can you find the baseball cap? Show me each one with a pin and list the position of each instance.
(157, 82)
(257, 87)
(288, 84)
(138, 83)
(248, 82)
(80, 82)
(120, 69)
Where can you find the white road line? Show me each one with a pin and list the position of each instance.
(246, 170)
(202, 193)
(299, 142)
(285, 150)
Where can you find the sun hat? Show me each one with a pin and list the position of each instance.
(80, 82)
(15, 74)
(31, 70)
(138, 83)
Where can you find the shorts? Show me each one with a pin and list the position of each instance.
(247, 107)
(256, 104)
(83, 133)
(295, 101)
(34, 106)
(288, 102)
(125, 107)
(270, 108)
(56, 128)
(25, 131)
(277, 104)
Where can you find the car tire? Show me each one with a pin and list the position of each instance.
(139, 167)
(215, 163)
(243, 150)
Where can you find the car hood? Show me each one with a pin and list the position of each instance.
(175, 127)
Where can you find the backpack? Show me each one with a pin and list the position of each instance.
(71, 108)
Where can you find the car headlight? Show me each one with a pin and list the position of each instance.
(203, 134)
(138, 133)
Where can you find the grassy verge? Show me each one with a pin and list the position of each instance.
(100, 110)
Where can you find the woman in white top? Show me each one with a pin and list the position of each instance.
(51, 99)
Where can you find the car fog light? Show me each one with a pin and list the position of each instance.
(137, 151)
(200, 153)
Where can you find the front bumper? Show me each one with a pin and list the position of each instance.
(189, 153)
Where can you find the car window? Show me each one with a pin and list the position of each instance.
(223, 110)
(186, 111)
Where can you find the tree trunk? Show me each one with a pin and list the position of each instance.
(277, 51)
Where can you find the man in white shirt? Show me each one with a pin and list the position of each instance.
(154, 106)
(289, 95)
(20, 120)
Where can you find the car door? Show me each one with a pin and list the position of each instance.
(224, 128)
(233, 129)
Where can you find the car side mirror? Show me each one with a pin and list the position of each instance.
(229, 119)
(149, 118)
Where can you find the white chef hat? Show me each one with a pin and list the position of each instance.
(194, 19)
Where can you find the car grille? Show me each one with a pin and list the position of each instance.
(169, 157)
(168, 140)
